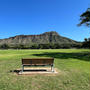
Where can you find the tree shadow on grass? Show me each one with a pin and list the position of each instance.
(85, 56)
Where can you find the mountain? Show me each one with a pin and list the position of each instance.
(47, 37)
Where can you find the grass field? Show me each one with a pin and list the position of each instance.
(74, 66)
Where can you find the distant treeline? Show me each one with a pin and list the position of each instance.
(85, 44)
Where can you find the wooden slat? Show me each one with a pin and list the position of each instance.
(38, 61)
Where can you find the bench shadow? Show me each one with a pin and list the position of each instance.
(29, 70)
(85, 56)
(35, 70)
(15, 71)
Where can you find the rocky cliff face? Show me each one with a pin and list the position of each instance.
(47, 37)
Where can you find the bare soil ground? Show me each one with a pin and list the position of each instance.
(37, 71)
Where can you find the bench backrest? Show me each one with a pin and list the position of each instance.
(38, 61)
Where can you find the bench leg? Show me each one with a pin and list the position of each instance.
(52, 68)
(22, 68)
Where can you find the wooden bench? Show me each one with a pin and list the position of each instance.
(38, 62)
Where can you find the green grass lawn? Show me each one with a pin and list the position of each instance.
(74, 66)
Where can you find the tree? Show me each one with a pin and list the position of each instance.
(85, 39)
(85, 18)
(19, 46)
(86, 43)
(4, 46)
(34, 46)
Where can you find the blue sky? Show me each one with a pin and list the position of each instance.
(38, 16)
